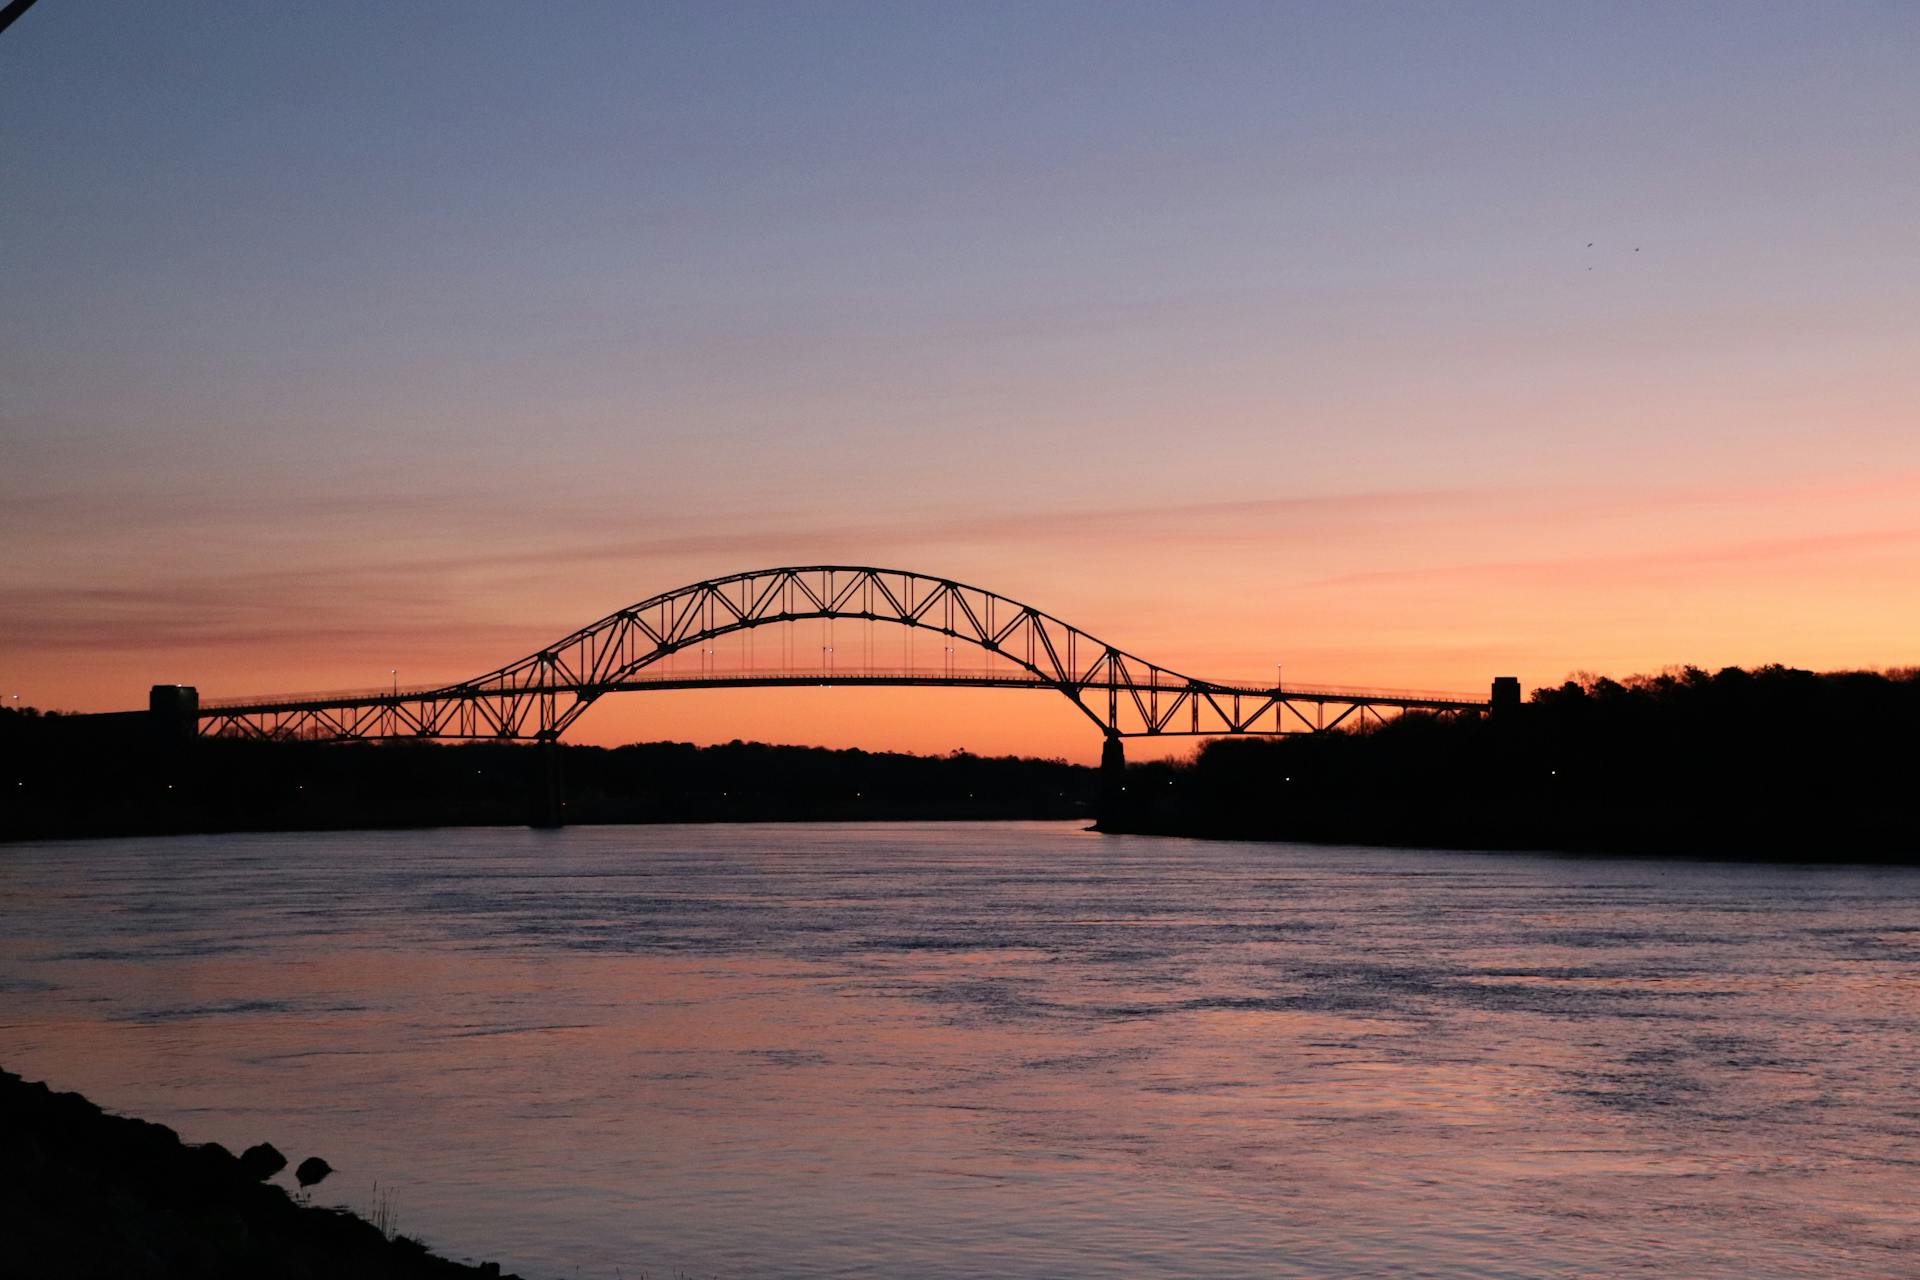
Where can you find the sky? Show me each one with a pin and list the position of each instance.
(1401, 345)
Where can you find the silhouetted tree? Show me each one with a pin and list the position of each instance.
(1769, 762)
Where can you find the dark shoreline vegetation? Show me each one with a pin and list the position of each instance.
(1769, 763)
(79, 782)
(1772, 763)
(88, 1194)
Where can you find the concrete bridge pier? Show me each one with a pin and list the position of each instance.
(1505, 699)
(549, 788)
(1110, 815)
(173, 713)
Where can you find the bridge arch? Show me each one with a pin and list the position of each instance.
(604, 655)
(538, 697)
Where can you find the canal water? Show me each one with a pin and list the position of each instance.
(1009, 1051)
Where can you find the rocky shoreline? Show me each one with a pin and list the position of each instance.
(85, 1194)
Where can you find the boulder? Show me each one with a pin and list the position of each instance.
(311, 1170)
(262, 1161)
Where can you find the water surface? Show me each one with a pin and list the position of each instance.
(997, 1050)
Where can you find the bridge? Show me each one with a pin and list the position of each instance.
(538, 697)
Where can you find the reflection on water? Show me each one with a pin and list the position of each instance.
(1006, 1051)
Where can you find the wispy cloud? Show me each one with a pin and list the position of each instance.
(1586, 568)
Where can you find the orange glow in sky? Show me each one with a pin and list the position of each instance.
(1278, 338)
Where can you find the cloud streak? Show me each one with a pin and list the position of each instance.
(1585, 569)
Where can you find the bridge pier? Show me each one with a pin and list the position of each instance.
(549, 788)
(1505, 699)
(173, 713)
(1110, 815)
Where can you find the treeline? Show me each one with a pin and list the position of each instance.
(70, 776)
(1767, 763)
(1772, 762)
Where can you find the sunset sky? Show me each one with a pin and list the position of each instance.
(1405, 346)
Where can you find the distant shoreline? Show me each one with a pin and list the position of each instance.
(1768, 857)
(1768, 765)
(1771, 764)
(97, 837)
(1644, 853)
(69, 778)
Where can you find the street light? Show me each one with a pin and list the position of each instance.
(395, 673)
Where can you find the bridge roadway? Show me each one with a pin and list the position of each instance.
(410, 712)
(536, 698)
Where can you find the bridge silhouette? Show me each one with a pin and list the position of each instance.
(538, 697)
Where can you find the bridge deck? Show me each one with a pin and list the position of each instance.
(1411, 699)
(652, 643)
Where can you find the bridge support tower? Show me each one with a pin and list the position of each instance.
(1506, 697)
(549, 789)
(173, 714)
(1113, 785)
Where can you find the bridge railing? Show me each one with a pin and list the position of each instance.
(661, 675)
(1011, 672)
(658, 675)
(325, 696)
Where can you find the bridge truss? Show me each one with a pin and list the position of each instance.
(538, 697)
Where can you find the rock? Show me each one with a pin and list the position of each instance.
(85, 1193)
(262, 1161)
(214, 1166)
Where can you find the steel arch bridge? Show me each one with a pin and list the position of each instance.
(538, 697)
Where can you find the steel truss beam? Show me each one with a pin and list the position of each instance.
(539, 696)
